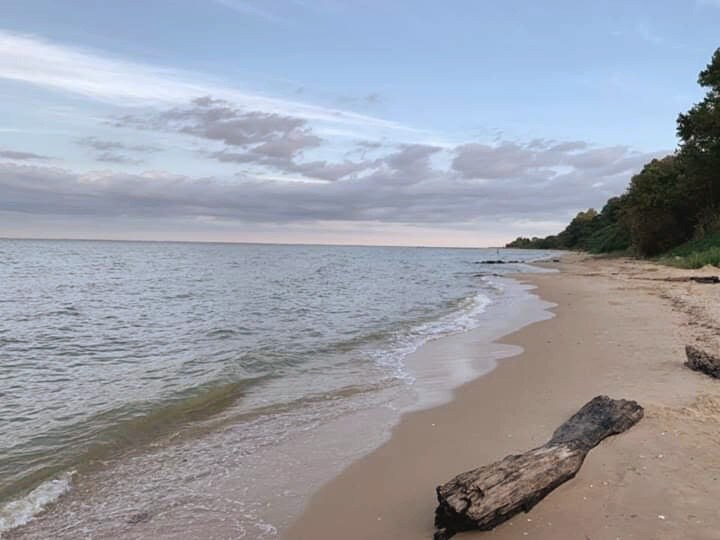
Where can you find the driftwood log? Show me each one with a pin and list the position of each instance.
(497, 261)
(701, 361)
(485, 497)
(681, 279)
(705, 279)
(696, 279)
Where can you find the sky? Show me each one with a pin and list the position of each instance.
(411, 122)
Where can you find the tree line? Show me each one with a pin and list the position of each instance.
(672, 200)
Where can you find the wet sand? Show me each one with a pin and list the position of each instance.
(619, 330)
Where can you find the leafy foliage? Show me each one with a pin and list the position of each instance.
(670, 202)
(589, 231)
(696, 259)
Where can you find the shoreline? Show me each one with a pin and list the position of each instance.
(612, 334)
(285, 474)
(440, 366)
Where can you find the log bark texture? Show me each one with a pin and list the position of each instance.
(701, 361)
(485, 497)
(705, 279)
(696, 279)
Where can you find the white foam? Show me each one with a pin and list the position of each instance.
(20, 511)
(465, 318)
(266, 529)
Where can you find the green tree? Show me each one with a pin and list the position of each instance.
(699, 131)
(612, 232)
(671, 200)
(655, 207)
(579, 230)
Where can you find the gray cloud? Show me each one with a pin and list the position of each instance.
(410, 164)
(547, 158)
(369, 145)
(113, 157)
(251, 137)
(363, 148)
(331, 171)
(541, 180)
(321, 169)
(96, 143)
(116, 152)
(218, 120)
(568, 146)
(279, 141)
(22, 156)
(402, 187)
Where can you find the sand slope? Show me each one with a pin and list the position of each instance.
(620, 331)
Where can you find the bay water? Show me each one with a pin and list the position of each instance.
(141, 379)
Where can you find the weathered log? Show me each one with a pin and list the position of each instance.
(705, 279)
(485, 497)
(497, 261)
(702, 361)
(696, 279)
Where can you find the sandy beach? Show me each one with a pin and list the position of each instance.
(619, 329)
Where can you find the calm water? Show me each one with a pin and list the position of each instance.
(107, 348)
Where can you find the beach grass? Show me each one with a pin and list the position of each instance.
(695, 253)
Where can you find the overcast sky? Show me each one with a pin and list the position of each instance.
(408, 122)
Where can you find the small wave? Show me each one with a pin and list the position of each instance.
(493, 284)
(465, 318)
(109, 433)
(20, 511)
(221, 333)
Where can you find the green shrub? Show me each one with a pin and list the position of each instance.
(697, 259)
(695, 253)
(611, 238)
(696, 246)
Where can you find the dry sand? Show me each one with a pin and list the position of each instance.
(619, 330)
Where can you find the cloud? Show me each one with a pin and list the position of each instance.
(278, 142)
(543, 158)
(105, 145)
(270, 140)
(476, 160)
(267, 134)
(410, 164)
(369, 145)
(120, 159)
(98, 76)
(22, 156)
(115, 151)
(408, 185)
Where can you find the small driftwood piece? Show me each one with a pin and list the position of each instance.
(680, 279)
(705, 279)
(696, 279)
(698, 360)
(485, 497)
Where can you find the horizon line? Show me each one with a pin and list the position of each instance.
(131, 240)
